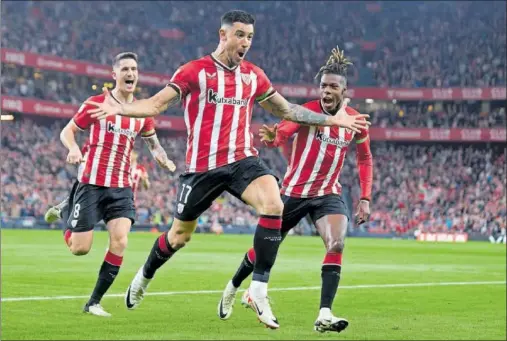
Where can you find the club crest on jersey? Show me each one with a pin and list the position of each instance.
(112, 128)
(215, 99)
(211, 75)
(247, 79)
(327, 139)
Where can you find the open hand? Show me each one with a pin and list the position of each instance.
(109, 107)
(268, 134)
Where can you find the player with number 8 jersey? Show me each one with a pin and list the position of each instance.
(104, 186)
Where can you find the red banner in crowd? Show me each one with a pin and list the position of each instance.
(421, 94)
(439, 134)
(73, 66)
(54, 109)
(289, 90)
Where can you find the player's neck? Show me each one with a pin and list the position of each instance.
(123, 97)
(220, 55)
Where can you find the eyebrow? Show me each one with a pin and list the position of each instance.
(241, 31)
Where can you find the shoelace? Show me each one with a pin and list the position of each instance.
(229, 298)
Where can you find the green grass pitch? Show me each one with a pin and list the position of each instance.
(469, 303)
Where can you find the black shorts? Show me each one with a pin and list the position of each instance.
(67, 209)
(296, 209)
(91, 204)
(197, 191)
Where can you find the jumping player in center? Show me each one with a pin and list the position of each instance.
(311, 187)
(218, 92)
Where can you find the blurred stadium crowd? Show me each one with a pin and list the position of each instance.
(417, 186)
(429, 187)
(417, 44)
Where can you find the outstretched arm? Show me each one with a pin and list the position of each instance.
(279, 106)
(141, 108)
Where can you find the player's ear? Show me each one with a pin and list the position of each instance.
(222, 33)
(113, 74)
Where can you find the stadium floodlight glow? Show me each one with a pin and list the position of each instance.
(394, 101)
(369, 100)
(7, 117)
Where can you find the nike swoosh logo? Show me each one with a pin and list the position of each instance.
(221, 312)
(257, 308)
(127, 299)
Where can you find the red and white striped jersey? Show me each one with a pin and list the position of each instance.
(218, 103)
(138, 173)
(317, 155)
(111, 142)
(84, 151)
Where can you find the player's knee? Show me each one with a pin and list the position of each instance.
(79, 250)
(272, 207)
(118, 244)
(335, 246)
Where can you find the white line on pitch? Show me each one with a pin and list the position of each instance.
(200, 292)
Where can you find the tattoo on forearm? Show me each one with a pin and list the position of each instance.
(174, 101)
(154, 146)
(302, 115)
(152, 142)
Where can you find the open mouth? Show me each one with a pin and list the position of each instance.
(327, 100)
(241, 54)
(129, 82)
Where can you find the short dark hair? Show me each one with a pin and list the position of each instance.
(337, 64)
(124, 55)
(233, 16)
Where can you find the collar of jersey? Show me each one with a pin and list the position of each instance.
(222, 64)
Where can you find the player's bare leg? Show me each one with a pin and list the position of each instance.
(118, 237)
(163, 249)
(263, 195)
(79, 243)
(332, 229)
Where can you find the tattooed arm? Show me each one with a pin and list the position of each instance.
(158, 152)
(279, 106)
